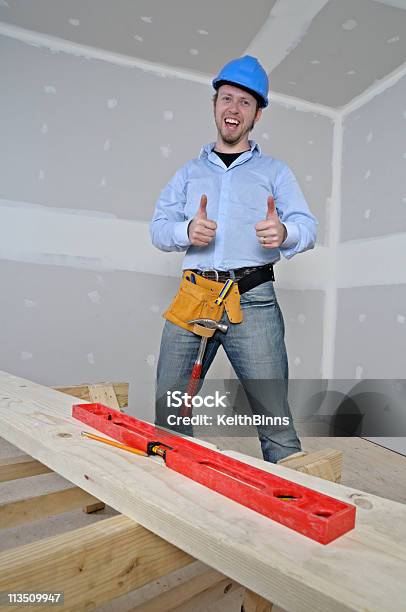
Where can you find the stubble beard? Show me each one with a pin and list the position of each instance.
(232, 140)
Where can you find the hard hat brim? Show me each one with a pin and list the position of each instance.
(217, 83)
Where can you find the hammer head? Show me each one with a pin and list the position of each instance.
(210, 324)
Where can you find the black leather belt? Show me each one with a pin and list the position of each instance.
(246, 278)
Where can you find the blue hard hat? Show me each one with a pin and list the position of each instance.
(245, 72)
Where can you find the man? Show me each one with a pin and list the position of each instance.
(235, 211)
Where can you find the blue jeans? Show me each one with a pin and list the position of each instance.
(256, 350)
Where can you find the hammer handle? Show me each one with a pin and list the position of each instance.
(191, 389)
(194, 379)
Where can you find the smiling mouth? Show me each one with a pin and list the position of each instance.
(231, 123)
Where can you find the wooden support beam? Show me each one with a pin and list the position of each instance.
(91, 565)
(326, 463)
(20, 511)
(187, 591)
(79, 391)
(215, 597)
(104, 394)
(84, 392)
(121, 391)
(254, 603)
(22, 466)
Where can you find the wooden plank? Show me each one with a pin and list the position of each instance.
(254, 603)
(82, 392)
(79, 391)
(121, 391)
(20, 511)
(22, 466)
(214, 598)
(326, 463)
(94, 507)
(280, 565)
(92, 565)
(104, 394)
(186, 592)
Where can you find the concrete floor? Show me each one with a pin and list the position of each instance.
(387, 479)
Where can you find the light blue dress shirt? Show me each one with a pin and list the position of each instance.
(237, 200)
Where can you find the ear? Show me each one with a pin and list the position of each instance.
(258, 115)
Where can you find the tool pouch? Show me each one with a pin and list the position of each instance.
(196, 301)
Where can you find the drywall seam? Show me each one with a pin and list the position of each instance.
(58, 237)
(307, 271)
(372, 261)
(303, 105)
(56, 44)
(333, 225)
(377, 88)
(286, 25)
(395, 3)
(59, 45)
(95, 241)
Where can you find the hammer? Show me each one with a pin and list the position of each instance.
(206, 328)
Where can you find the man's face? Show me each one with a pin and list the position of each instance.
(235, 113)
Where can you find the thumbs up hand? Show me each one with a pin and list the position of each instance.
(271, 232)
(202, 230)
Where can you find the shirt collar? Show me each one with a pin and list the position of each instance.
(207, 149)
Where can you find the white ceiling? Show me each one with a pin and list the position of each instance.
(324, 51)
(348, 46)
(190, 34)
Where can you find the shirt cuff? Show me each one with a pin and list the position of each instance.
(180, 235)
(293, 236)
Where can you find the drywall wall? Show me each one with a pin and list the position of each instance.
(90, 144)
(374, 167)
(85, 134)
(371, 325)
(371, 321)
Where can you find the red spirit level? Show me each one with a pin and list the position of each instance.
(312, 514)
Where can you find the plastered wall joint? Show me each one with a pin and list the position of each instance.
(60, 45)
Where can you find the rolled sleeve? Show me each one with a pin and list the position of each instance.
(169, 226)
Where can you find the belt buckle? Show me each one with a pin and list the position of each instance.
(210, 270)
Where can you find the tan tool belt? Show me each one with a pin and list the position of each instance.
(197, 301)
